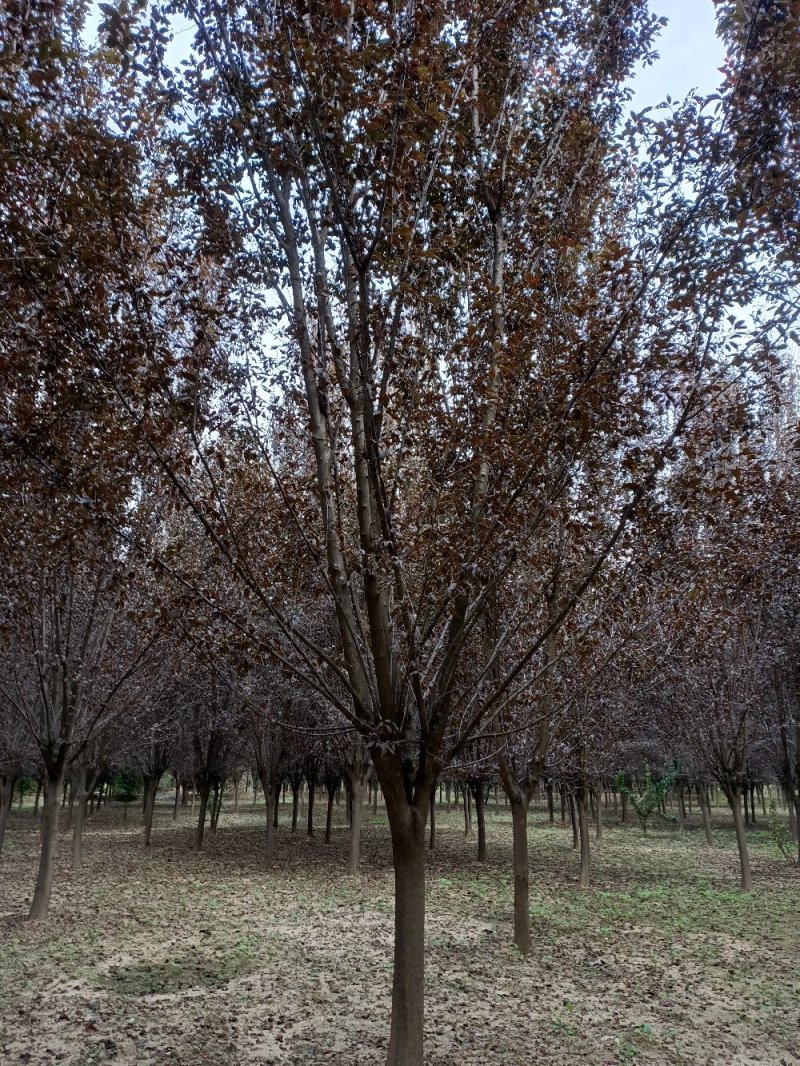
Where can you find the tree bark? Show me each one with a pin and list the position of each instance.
(734, 797)
(201, 818)
(270, 790)
(295, 803)
(329, 813)
(432, 838)
(310, 820)
(599, 814)
(38, 797)
(40, 903)
(522, 916)
(408, 981)
(79, 820)
(573, 821)
(356, 798)
(705, 811)
(477, 791)
(6, 794)
(150, 787)
(583, 825)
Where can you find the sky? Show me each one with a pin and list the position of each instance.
(690, 54)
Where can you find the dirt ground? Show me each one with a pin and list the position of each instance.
(161, 957)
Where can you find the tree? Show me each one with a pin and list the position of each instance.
(477, 307)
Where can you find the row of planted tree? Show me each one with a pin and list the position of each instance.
(375, 379)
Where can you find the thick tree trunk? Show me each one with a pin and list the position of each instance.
(734, 797)
(550, 807)
(201, 818)
(356, 798)
(478, 793)
(408, 981)
(49, 846)
(522, 917)
(582, 804)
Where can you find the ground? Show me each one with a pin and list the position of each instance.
(160, 956)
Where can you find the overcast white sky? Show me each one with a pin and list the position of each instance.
(690, 53)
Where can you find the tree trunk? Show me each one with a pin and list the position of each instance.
(356, 798)
(432, 841)
(624, 802)
(522, 917)
(375, 800)
(177, 798)
(702, 796)
(79, 820)
(201, 818)
(599, 810)
(477, 791)
(6, 795)
(574, 822)
(550, 808)
(734, 797)
(310, 817)
(216, 806)
(295, 804)
(408, 981)
(47, 857)
(583, 825)
(270, 802)
(38, 797)
(329, 814)
(150, 786)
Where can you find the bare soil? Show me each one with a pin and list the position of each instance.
(160, 956)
